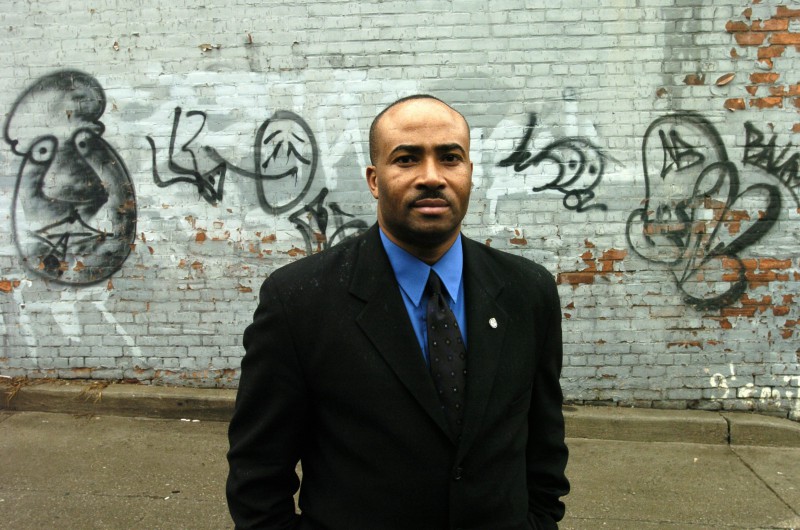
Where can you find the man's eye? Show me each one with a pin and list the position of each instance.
(451, 158)
(404, 159)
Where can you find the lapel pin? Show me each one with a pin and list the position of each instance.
(493, 323)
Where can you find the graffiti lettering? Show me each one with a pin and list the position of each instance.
(579, 167)
(766, 156)
(692, 191)
(209, 183)
(74, 209)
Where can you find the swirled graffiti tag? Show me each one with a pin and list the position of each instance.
(74, 210)
(572, 165)
(697, 217)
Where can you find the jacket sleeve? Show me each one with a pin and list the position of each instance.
(268, 425)
(547, 451)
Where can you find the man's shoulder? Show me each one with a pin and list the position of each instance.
(332, 263)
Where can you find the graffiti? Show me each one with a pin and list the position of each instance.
(316, 215)
(73, 210)
(766, 156)
(696, 218)
(578, 163)
(286, 157)
(209, 183)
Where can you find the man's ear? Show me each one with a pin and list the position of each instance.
(372, 180)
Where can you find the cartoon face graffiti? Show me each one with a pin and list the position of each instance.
(285, 160)
(74, 208)
(696, 217)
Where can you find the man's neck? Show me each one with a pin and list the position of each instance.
(426, 254)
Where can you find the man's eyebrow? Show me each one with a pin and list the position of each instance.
(416, 149)
(446, 148)
(413, 149)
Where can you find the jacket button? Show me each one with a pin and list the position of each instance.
(457, 473)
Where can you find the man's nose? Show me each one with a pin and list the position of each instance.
(430, 174)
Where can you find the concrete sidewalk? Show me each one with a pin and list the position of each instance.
(97, 462)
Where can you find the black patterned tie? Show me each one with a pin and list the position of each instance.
(448, 355)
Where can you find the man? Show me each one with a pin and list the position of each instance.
(343, 373)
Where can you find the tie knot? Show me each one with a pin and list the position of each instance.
(434, 283)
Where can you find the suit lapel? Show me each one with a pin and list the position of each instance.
(486, 329)
(385, 321)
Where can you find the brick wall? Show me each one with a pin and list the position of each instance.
(159, 161)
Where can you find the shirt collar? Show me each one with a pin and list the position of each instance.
(412, 273)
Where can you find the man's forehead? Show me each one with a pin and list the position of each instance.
(422, 114)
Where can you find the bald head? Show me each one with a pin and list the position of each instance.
(374, 128)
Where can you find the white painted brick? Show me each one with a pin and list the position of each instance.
(337, 63)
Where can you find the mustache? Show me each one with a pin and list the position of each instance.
(431, 194)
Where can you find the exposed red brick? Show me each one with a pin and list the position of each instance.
(7, 286)
(761, 277)
(738, 311)
(764, 77)
(575, 278)
(767, 102)
(770, 52)
(294, 252)
(751, 89)
(796, 126)
(725, 79)
(788, 299)
(518, 241)
(244, 289)
(780, 311)
(796, 102)
(588, 244)
(747, 13)
(614, 254)
(772, 24)
(787, 333)
(197, 266)
(735, 104)
(200, 237)
(735, 54)
(785, 12)
(750, 38)
(695, 79)
(109, 285)
(765, 63)
(746, 300)
(772, 263)
(271, 238)
(736, 27)
(784, 37)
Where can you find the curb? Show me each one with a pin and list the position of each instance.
(215, 404)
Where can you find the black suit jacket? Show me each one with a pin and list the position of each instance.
(333, 375)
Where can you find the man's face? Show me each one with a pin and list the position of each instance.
(422, 174)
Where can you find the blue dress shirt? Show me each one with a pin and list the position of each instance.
(412, 276)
